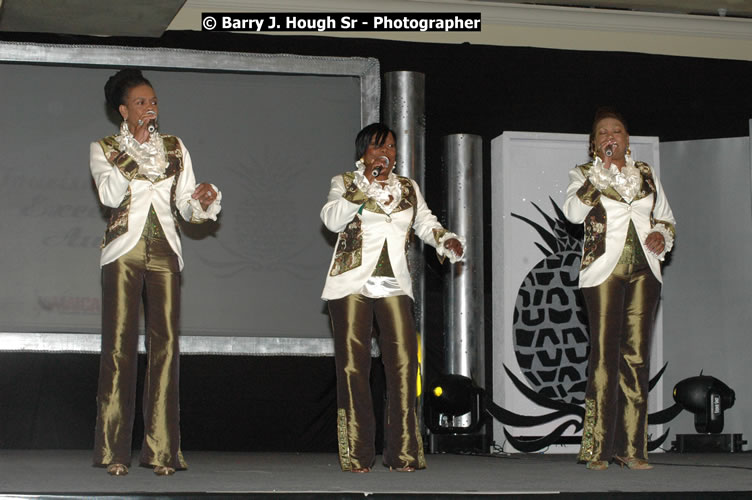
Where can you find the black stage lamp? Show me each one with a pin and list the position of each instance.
(706, 397)
(452, 396)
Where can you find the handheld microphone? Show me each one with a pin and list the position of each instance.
(153, 122)
(610, 150)
(376, 171)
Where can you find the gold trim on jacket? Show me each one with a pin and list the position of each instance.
(596, 224)
(348, 253)
(118, 222)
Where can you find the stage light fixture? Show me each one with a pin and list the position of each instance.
(452, 394)
(453, 405)
(706, 397)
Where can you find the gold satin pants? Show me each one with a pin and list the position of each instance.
(621, 312)
(150, 270)
(352, 322)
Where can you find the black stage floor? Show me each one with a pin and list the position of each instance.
(68, 474)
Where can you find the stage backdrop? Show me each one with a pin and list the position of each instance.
(539, 331)
(269, 131)
(708, 302)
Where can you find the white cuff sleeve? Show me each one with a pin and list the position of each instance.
(199, 214)
(443, 251)
(668, 240)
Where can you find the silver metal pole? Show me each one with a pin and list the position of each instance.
(404, 112)
(463, 291)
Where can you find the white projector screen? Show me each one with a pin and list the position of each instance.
(269, 131)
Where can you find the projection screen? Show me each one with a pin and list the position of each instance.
(269, 130)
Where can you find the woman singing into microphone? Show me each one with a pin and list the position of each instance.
(628, 227)
(374, 212)
(146, 179)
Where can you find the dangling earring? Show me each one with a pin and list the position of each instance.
(629, 151)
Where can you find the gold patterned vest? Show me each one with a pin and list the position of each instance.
(348, 254)
(118, 223)
(153, 228)
(596, 224)
(383, 265)
(633, 253)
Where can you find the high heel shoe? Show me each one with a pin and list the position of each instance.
(161, 470)
(117, 470)
(633, 463)
(597, 465)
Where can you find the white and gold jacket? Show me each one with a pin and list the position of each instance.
(605, 202)
(364, 226)
(129, 193)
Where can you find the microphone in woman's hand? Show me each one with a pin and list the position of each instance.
(153, 122)
(377, 170)
(610, 149)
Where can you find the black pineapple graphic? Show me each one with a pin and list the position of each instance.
(550, 323)
(551, 341)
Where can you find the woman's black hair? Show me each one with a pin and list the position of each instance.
(117, 86)
(375, 133)
(600, 114)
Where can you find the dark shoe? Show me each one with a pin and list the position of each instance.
(633, 463)
(117, 470)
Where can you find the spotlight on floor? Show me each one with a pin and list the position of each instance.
(453, 405)
(706, 397)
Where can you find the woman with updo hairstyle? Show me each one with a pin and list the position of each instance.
(146, 181)
(628, 229)
(374, 213)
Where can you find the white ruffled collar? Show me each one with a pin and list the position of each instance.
(387, 194)
(626, 182)
(150, 156)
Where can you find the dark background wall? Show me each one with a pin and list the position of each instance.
(288, 403)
